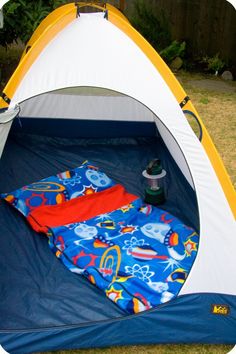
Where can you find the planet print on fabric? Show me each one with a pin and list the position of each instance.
(45, 187)
(162, 288)
(159, 287)
(165, 235)
(99, 179)
(86, 232)
(156, 231)
(110, 262)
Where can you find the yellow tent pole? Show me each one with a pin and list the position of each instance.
(56, 25)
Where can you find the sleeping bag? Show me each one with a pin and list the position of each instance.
(137, 254)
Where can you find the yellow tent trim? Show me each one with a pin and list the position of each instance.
(43, 26)
(61, 17)
(53, 28)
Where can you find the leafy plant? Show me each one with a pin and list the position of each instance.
(154, 27)
(174, 50)
(21, 17)
(214, 63)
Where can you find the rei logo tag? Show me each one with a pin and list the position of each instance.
(220, 309)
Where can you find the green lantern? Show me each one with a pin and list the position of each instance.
(154, 194)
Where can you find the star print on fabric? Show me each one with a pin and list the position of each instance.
(126, 208)
(190, 247)
(88, 190)
(103, 217)
(114, 294)
(171, 263)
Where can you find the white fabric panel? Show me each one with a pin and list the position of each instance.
(6, 118)
(1, 19)
(4, 130)
(54, 105)
(9, 114)
(2, 3)
(232, 2)
(116, 63)
(3, 351)
(125, 68)
(215, 267)
(88, 91)
(174, 148)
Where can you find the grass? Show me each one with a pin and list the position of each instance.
(218, 112)
(217, 109)
(155, 349)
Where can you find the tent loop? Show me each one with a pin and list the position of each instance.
(5, 98)
(8, 115)
(77, 9)
(27, 48)
(198, 122)
(106, 15)
(184, 102)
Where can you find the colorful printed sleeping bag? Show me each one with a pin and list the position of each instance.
(139, 255)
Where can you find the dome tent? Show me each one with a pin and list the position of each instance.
(92, 76)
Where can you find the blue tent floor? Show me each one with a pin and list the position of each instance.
(37, 291)
(44, 306)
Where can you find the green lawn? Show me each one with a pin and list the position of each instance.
(155, 349)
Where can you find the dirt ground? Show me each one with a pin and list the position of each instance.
(213, 84)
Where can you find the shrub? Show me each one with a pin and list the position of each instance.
(174, 50)
(21, 17)
(154, 27)
(214, 63)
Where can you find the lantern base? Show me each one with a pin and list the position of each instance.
(154, 197)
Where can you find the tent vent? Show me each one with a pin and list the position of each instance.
(5, 98)
(198, 122)
(184, 102)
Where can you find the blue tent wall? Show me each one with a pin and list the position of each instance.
(187, 319)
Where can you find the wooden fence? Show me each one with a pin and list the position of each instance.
(208, 26)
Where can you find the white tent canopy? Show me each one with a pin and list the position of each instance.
(232, 2)
(2, 3)
(80, 44)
